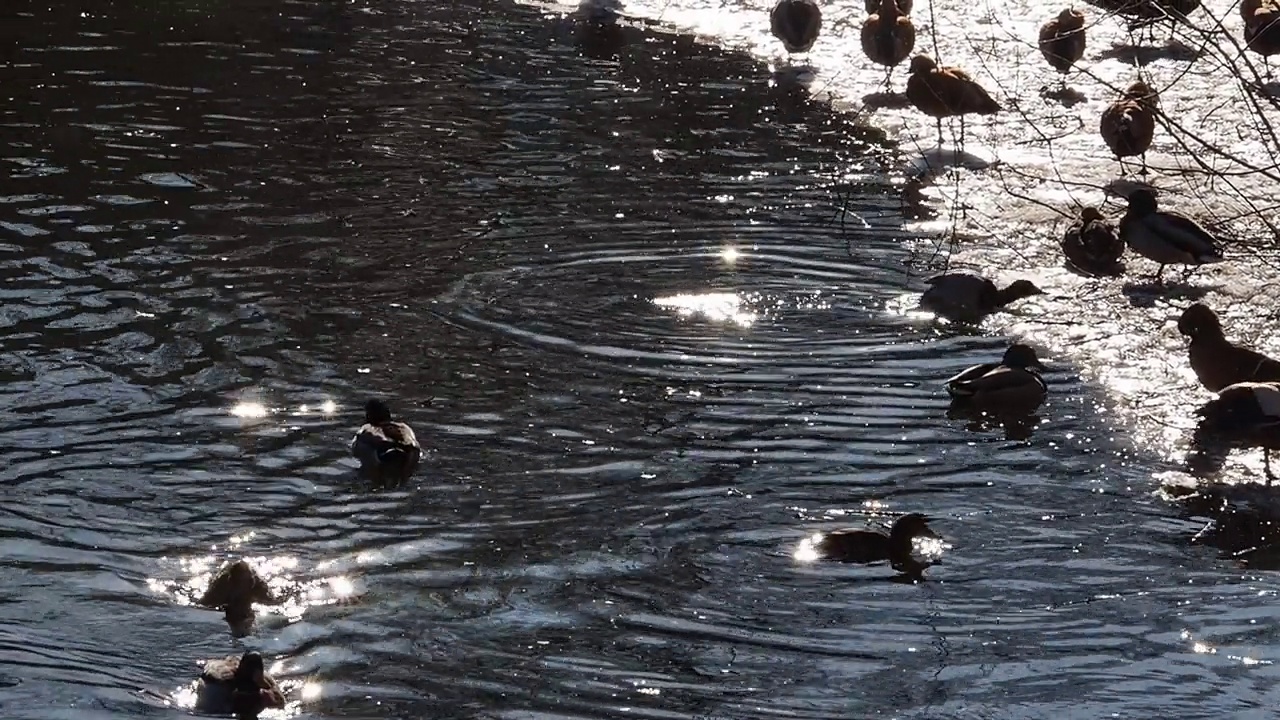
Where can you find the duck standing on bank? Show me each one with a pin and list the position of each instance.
(1011, 386)
(888, 37)
(939, 91)
(237, 686)
(870, 546)
(1128, 125)
(1244, 415)
(796, 23)
(386, 448)
(965, 297)
(1217, 361)
(1166, 237)
(1062, 41)
(1092, 244)
(1262, 30)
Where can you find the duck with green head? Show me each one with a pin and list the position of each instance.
(386, 448)
(871, 546)
(237, 686)
(1164, 236)
(1011, 385)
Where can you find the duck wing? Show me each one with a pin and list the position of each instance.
(1185, 234)
(400, 434)
(220, 670)
(997, 380)
(968, 375)
(857, 546)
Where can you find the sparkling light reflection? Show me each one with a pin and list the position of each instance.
(249, 410)
(720, 307)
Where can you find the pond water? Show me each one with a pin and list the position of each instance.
(607, 283)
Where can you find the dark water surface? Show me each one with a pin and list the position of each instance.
(467, 207)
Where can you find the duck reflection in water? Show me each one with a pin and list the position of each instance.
(234, 589)
(387, 449)
(237, 686)
(871, 546)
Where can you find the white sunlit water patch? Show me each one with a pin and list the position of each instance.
(714, 306)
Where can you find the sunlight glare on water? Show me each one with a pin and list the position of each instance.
(714, 306)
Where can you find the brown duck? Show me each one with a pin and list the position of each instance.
(869, 546)
(1217, 361)
(888, 37)
(1092, 244)
(235, 588)
(1062, 41)
(965, 297)
(1262, 30)
(940, 91)
(796, 23)
(904, 6)
(237, 686)
(1129, 124)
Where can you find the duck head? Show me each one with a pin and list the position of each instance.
(922, 64)
(1017, 290)
(1091, 214)
(1142, 92)
(250, 672)
(1142, 202)
(1200, 321)
(1022, 357)
(909, 526)
(1070, 19)
(376, 412)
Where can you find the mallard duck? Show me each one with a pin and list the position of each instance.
(386, 448)
(1062, 41)
(1013, 384)
(1166, 237)
(964, 297)
(869, 546)
(237, 686)
(1093, 245)
(235, 588)
(796, 23)
(888, 37)
(1217, 361)
(946, 91)
(1245, 414)
(1129, 124)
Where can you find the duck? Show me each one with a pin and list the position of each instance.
(1128, 125)
(888, 37)
(237, 685)
(386, 448)
(1012, 385)
(1262, 31)
(1092, 244)
(965, 297)
(796, 23)
(942, 91)
(1166, 237)
(1245, 414)
(1218, 362)
(1062, 41)
(870, 546)
(1247, 8)
(234, 589)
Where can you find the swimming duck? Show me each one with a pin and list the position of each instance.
(964, 297)
(1092, 244)
(888, 37)
(237, 686)
(1129, 124)
(1217, 361)
(1245, 414)
(386, 448)
(796, 23)
(939, 91)
(869, 546)
(1011, 385)
(1166, 237)
(1062, 41)
(235, 588)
